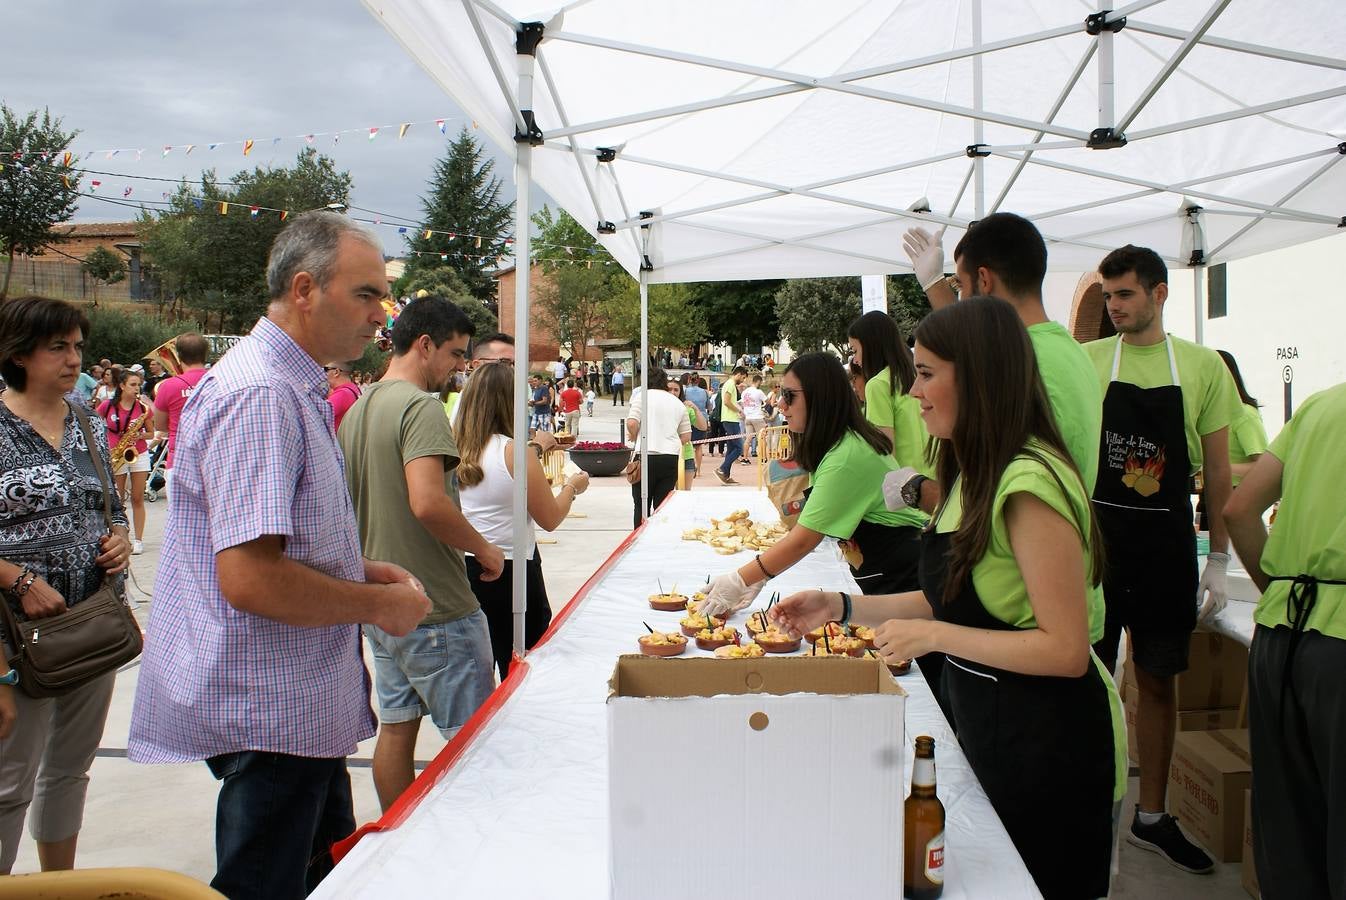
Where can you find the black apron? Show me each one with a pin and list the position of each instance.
(883, 558)
(1144, 508)
(1041, 746)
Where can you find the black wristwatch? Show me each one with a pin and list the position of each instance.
(911, 491)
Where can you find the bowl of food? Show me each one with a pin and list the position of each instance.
(694, 622)
(837, 646)
(901, 667)
(746, 650)
(658, 643)
(833, 629)
(714, 638)
(773, 640)
(758, 622)
(864, 633)
(671, 602)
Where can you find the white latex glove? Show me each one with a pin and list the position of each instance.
(1213, 591)
(892, 487)
(728, 594)
(926, 252)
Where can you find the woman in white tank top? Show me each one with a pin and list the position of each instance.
(484, 432)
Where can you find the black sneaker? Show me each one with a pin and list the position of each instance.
(1166, 838)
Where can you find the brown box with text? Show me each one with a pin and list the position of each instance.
(1209, 774)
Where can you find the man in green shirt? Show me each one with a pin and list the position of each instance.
(1297, 709)
(400, 456)
(1003, 255)
(732, 421)
(1167, 406)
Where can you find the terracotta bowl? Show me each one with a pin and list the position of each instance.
(856, 652)
(715, 622)
(779, 646)
(816, 635)
(723, 653)
(675, 649)
(901, 668)
(713, 644)
(668, 602)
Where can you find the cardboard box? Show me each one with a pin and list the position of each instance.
(735, 761)
(1192, 720)
(1207, 778)
(1217, 672)
(1249, 869)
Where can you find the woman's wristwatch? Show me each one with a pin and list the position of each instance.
(11, 677)
(911, 491)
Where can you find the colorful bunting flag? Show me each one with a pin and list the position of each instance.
(212, 146)
(168, 148)
(94, 186)
(439, 123)
(373, 133)
(190, 148)
(252, 211)
(65, 181)
(402, 131)
(427, 234)
(247, 146)
(65, 160)
(126, 193)
(224, 208)
(478, 244)
(275, 142)
(402, 230)
(308, 138)
(284, 214)
(198, 202)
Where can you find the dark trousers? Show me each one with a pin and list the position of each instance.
(276, 821)
(716, 430)
(733, 448)
(1298, 742)
(593, 382)
(663, 481)
(618, 393)
(497, 602)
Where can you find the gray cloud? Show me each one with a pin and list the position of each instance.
(149, 73)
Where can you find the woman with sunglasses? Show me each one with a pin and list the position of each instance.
(846, 458)
(1005, 570)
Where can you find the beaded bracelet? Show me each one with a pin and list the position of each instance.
(25, 581)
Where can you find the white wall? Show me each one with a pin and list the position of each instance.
(1290, 298)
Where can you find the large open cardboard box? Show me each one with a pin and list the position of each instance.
(755, 778)
(1209, 774)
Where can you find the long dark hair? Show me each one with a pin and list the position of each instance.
(115, 404)
(882, 346)
(1002, 406)
(485, 409)
(832, 410)
(1238, 378)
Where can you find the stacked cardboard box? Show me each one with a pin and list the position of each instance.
(1210, 773)
(1209, 692)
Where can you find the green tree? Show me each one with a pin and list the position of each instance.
(741, 314)
(38, 187)
(124, 337)
(104, 267)
(675, 322)
(815, 313)
(468, 222)
(579, 283)
(907, 302)
(445, 283)
(213, 255)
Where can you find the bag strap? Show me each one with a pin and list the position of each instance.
(97, 462)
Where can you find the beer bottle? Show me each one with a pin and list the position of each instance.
(923, 867)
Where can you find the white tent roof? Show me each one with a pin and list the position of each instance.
(784, 138)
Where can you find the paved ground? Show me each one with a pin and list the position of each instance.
(163, 816)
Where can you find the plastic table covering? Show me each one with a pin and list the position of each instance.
(517, 806)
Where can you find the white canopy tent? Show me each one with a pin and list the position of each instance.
(787, 138)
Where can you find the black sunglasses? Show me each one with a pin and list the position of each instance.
(787, 395)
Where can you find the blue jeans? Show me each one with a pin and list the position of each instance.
(442, 671)
(733, 447)
(276, 821)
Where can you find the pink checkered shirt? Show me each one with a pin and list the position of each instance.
(256, 455)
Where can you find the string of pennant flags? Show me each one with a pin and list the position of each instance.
(370, 133)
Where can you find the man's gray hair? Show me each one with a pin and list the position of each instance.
(309, 244)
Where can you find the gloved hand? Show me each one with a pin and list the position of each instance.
(892, 487)
(1213, 591)
(926, 252)
(728, 594)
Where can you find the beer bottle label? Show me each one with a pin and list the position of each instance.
(934, 859)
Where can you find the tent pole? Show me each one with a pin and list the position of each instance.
(1107, 93)
(978, 126)
(1198, 279)
(646, 413)
(523, 166)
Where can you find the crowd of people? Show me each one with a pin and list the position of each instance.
(1009, 502)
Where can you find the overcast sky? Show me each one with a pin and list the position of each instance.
(149, 73)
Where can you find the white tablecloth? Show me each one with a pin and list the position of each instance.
(523, 810)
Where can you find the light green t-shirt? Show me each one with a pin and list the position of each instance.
(847, 488)
(393, 423)
(999, 582)
(1210, 400)
(1309, 536)
(1247, 435)
(902, 414)
(729, 390)
(688, 451)
(1074, 394)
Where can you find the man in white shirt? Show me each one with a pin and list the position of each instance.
(559, 370)
(753, 403)
(667, 428)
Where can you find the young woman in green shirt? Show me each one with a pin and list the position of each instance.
(880, 350)
(846, 458)
(1005, 566)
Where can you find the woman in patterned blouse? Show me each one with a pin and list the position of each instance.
(55, 550)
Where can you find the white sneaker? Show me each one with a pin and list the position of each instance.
(137, 548)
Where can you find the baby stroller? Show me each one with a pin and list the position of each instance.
(156, 480)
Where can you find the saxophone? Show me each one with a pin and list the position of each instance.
(125, 452)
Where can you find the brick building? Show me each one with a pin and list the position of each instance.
(543, 346)
(57, 272)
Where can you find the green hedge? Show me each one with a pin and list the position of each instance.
(123, 337)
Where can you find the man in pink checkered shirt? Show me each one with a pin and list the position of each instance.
(252, 659)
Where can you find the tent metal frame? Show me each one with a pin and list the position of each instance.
(644, 226)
